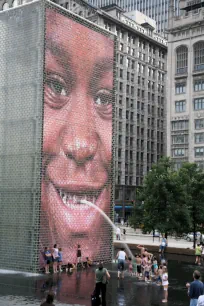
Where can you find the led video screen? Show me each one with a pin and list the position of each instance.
(77, 137)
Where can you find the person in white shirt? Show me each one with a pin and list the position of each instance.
(165, 284)
(201, 300)
(118, 233)
(55, 256)
(121, 256)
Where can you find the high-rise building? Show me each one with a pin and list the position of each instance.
(185, 110)
(155, 9)
(140, 127)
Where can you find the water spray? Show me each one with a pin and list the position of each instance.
(108, 220)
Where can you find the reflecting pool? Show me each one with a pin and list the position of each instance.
(75, 289)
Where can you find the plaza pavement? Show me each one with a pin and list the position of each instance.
(137, 237)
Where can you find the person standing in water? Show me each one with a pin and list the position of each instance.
(165, 284)
(121, 257)
(101, 278)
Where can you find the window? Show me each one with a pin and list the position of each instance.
(179, 139)
(107, 26)
(199, 124)
(121, 47)
(181, 59)
(199, 56)
(179, 125)
(199, 85)
(198, 103)
(177, 165)
(132, 77)
(199, 137)
(5, 6)
(178, 152)
(120, 126)
(15, 3)
(199, 151)
(120, 113)
(180, 88)
(180, 106)
(200, 165)
(121, 59)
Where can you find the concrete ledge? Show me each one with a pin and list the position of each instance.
(155, 249)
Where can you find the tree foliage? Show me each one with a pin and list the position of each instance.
(173, 200)
(193, 184)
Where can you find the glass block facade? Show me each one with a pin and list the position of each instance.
(57, 136)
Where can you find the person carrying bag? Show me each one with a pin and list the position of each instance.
(101, 278)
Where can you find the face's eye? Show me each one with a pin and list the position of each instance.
(57, 92)
(57, 86)
(103, 97)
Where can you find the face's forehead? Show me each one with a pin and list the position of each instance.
(75, 37)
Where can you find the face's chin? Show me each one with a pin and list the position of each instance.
(71, 223)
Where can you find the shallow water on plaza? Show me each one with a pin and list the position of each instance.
(75, 289)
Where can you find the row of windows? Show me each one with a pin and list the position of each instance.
(130, 63)
(182, 58)
(181, 139)
(183, 124)
(182, 152)
(198, 85)
(179, 125)
(131, 76)
(180, 106)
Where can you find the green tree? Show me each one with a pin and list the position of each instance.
(164, 205)
(193, 184)
(136, 219)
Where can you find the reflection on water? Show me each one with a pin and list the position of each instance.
(75, 289)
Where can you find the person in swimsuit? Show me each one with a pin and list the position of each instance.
(139, 263)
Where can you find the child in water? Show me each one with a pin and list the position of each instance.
(134, 266)
(159, 279)
(130, 265)
(147, 270)
(155, 266)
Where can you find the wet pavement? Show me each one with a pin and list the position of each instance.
(75, 289)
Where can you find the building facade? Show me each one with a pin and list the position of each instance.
(185, 108)
(157, 9)
(140, 129)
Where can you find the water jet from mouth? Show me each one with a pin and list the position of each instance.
(108, 220)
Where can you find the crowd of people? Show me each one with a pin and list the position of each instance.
(144, 266)
(53, 258)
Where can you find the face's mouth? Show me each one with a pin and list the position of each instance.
(73, 199)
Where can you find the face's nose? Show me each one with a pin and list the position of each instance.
(79, 138)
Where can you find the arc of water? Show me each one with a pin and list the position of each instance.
(107, 219)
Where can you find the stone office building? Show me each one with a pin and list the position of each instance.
(185, 119)
(140, 97)
(155, 9)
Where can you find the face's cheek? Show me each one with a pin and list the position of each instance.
(104, 130)
(51, 132)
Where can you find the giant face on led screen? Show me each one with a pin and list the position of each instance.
(77, 137)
